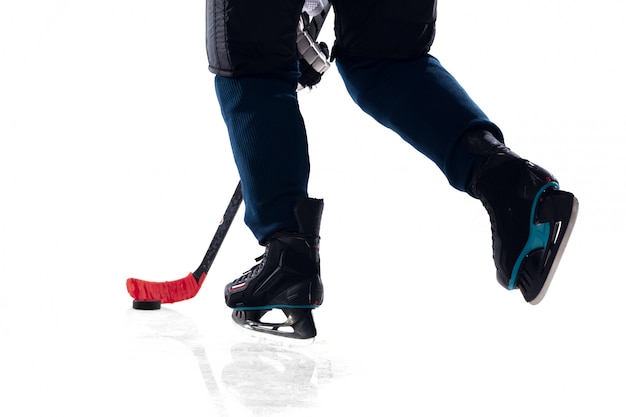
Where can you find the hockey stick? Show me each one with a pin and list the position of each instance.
(188, 287)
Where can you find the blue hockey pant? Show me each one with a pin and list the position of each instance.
(418, 99)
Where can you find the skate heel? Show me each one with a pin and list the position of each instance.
(555, 206)
(559, 210)
(301, 321)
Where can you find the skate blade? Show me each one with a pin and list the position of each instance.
(560, 210)
(298, 323)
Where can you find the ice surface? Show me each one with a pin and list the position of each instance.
(115, 163)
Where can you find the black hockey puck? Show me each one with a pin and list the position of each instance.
(146, 304)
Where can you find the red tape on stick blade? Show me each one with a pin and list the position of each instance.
(167, 292)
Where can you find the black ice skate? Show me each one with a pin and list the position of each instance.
(287, 278)
(531, 219)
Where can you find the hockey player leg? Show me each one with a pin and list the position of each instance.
(531, 219)
(252, 49)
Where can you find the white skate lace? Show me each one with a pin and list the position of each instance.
(252, 271)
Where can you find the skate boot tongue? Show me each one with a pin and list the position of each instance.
(308, 212)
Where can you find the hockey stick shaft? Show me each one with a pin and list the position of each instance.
(187, 287)
(220, 234)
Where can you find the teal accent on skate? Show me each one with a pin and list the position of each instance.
(538, 235)
(271, 307)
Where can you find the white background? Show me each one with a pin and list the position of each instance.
(115, 163)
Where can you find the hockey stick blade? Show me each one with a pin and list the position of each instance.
(187, 287)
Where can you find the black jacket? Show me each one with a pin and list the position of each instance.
(388, 29)
(251, 38)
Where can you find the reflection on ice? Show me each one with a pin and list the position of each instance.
(260, 374)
